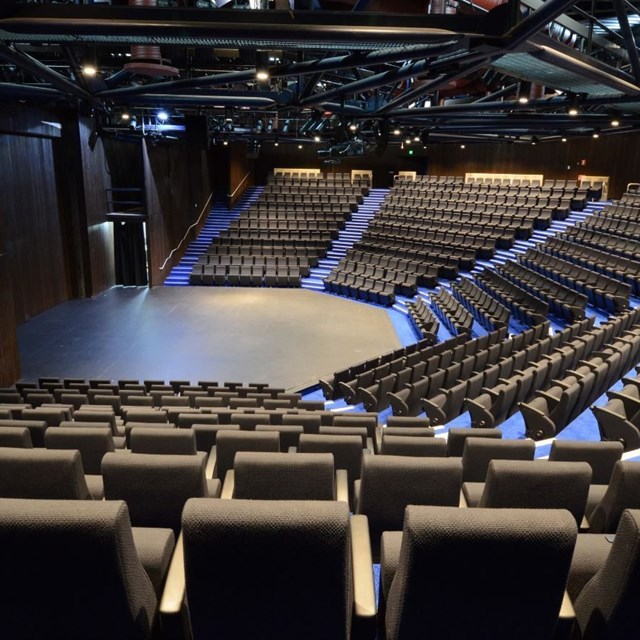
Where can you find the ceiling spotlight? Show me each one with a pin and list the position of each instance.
(316, 138)
(396, 132)
(564, 139)
(463, 146)
(524, 90)
(125, 116)
(596, 133)
(573, 111)
(163, 116)
(262, 66)
(89, 71)
(225, 142)
(407, 141)
(228, 114)
(262, 75)
(416, 138)
(299, 146)
(353, 127)
(534, 140)
(276, 143)
(615, 123)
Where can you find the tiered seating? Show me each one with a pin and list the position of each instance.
(562, 301)
(437, 226)
(423, 320)
(454, 316)
(624, 269)
(601, 291)
(526, 307)
(484, 308)
(276, 241)
(567, 398)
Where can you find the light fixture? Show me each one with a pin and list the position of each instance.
(163, 116)
(564, 139)
(407, 141)
(225, 143)
(353, 127)
(89, 71)
(596, 133)
(125, 116)
(416, 138)
(463, 146)
(299, 146)
(262, 75)
(396, 132)
(262, 66)
(524, 90)
(615, 123)
(316, 138)
(276, 144)
(573, 111)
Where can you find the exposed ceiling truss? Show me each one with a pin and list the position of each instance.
(350, 81)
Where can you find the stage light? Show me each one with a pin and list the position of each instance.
(353, 127)
(163, 116)
(125, 117)
(89, 71)
(524, 89)
(396, 132)
(615, 123)
(463, 146)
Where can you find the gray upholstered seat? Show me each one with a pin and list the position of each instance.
(309, 422)
(289, 570)
(478, 573)
(457, 436)
(393, 445)
(602, 457)
(537, 484)
(43, 474)
(75, 573)
(283, 476)
(36, 428)
(623, 493)
(390, 483)
(92, 442)
(607, 606)
(289, 434)
(248, 421)
(15, 437)
(155, 487)
(228, 443)
(478, 453)
(163, 441)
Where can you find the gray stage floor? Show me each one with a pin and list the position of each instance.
(288, 337)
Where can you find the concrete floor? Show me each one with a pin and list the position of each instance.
(287, 337)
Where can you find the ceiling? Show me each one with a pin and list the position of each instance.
(351, 77)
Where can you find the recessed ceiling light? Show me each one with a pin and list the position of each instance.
(615, 123)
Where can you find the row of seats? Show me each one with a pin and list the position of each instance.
(485, 309)
(526, 307)
(236, 520)
(423, 320)
(623, 269)
(247, 276)
(453, 314)
(601, 291)
(414, 352)
(618, 246)
(563, 302)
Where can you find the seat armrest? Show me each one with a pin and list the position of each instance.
(364, 595)
(463, 501)
(342, 486)
(584, 525)
(228, 486)
(173, 595)
(292, 450)
(211, 463)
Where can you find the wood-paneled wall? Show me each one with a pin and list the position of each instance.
(177, 189)
(241, 173)
(29, 209)
(617, 156)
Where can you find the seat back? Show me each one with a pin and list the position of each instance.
(623, 493)
(458, 435)
(42, 474)
(602, 456)
(537, 484)
(478, 453)
(390, 483)
(155, 487)
(473, 559)
(15, 437)
(284, 476)
(412, 446)
(74, 572)
(346, 450)
(607, 606)
(228, 443)
(163, 441)
(91, 442)
(286, 567)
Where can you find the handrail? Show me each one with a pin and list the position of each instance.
(230, 195)
(195, 224)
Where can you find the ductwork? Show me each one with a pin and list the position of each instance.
(147, 60)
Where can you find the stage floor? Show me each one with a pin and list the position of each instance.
(287, 337)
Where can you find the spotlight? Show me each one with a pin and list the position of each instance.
(262, 75)
(276, 144)
(596, 133)
(573, 111)
(316, 138)
(524, 89)
(225, 143)
(564, 139)
(262, 66)
(163, 116)
(615, 123)
(407, 141)
(89, 71)
(353, 127)
(125, 117)
(463, 146)
(299, 146)
(416, 138)
(396, 132)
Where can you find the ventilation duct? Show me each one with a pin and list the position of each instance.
(147, 60)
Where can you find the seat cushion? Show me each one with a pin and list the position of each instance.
(591, 551)
(155, 548)
(96, 486)
(472, 492)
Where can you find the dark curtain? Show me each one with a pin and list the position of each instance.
(131, 256)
